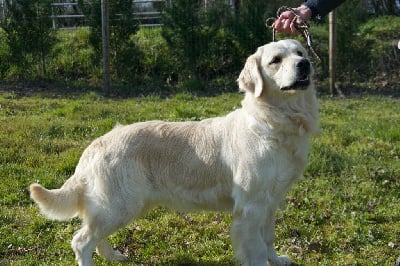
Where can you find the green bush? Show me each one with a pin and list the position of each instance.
(380, 36)
(4, 55)
(157, 60)
(29, 36)
(73, 56)
(248, 26)
(188, 34)
(125, 56)
(213, 41)
(350, 56)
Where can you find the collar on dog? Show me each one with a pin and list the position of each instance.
(300, 25)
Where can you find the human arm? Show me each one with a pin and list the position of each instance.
(320, 8)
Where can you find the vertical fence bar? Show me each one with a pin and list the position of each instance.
(105, 31)
(332, 52)
(53, 18)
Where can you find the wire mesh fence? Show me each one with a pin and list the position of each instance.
(210, 46)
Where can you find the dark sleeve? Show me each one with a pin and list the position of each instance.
(320, 8)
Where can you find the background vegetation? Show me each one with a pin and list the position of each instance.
(345, 211)
(199, 48)
(28, 36)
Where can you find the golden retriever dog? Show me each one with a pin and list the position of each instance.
(244, 162)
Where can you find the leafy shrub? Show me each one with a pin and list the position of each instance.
(125, 57)
(350, 56)
(188, 34)
(4, 54)
(157, 60)
(214, 40)
(380, 36)
(27, 25)
(248, 26)
(73, 55)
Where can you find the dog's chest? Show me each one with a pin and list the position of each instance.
(286, 160)
(291, 140)
(283, 154)
(297, 148)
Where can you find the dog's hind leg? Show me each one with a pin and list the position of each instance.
(83, 244)
(99, 223)
(94, 235)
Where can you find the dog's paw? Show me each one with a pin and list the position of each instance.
(106, 251)
(118, 256)
(280, 261)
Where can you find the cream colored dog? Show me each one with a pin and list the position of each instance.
(244, 162)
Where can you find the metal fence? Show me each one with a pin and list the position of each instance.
(67, 14)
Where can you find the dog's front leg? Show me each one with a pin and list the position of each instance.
(246, 234)
(269, 237)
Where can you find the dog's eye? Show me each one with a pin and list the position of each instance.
(275, 60)
(299, 53)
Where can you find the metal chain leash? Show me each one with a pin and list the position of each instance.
(300, 25)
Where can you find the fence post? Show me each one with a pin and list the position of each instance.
(53, 18)
(332, 52)
(105, 32)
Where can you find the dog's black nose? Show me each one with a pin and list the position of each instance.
(303, 67)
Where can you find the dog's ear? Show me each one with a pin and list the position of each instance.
(250, 79)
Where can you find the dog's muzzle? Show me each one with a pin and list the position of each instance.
(303, 70)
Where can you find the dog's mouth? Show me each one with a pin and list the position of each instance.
(301, 83)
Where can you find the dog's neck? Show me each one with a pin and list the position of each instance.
(300, 108)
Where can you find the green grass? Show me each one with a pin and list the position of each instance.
(345, 211)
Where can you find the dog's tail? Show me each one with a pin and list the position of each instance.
(58, 204)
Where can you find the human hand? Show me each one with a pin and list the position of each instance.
(287, 20)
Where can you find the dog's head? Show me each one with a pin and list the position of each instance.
(281, 67)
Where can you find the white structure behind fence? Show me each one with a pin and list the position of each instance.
(67, 14)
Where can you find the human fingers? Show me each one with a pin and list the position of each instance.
(283, 25)
(278, 25)
(287, 15)
(292, 27)
(286, 25)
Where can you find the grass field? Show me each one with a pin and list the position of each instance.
(345, 211)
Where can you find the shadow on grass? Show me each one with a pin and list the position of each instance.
(197, 263)
(59, 89)
(189, 261)
(56, 89)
